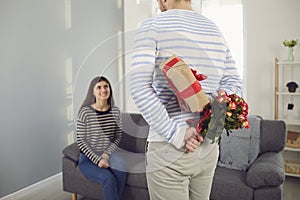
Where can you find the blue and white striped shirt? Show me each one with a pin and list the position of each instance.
(196, 40)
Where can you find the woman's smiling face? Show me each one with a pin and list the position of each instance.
(102, 91)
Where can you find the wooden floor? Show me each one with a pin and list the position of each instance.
(54, 191)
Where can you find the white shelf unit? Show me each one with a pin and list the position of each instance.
(292, 149)
(293, 175)
(288, 93)
(287, 71)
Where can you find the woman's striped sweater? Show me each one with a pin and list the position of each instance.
(98, 132)
(199, 42)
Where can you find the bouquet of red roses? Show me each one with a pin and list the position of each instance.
(227, 112)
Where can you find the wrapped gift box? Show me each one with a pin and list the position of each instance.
(181, 79)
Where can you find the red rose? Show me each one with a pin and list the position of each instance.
(242, 117)
(244, 106)
(245, 112)
(229, 114)
(232, 106)
(246, 124)
(222, 97)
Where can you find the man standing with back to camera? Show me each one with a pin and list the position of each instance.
(179, 165)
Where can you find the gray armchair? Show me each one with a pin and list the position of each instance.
(263, 179)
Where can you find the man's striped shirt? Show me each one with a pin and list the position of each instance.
(199, 42)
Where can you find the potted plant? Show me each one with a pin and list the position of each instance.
(290, 44)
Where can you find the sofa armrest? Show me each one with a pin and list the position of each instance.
(273, 136)
(266, 170)
(72, 151)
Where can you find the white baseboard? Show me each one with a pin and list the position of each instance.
(27, 190)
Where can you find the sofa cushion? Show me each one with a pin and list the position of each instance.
(135, 133)
(136, 168)
(230, 184)
(274, 193)
(72, 151)
(137, 180)
(273, 136)
(241, 147)
(267, 170)
(135, 162)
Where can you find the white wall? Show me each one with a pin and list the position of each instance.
(33, 122)
(39, 59)
(135, 12)
(267, 24)
(95, 45)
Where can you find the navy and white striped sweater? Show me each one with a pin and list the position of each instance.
(98, 132)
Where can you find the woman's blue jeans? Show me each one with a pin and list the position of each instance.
(112, 178)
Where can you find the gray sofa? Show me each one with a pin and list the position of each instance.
(263, 180)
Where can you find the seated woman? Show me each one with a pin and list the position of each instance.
(98, 136)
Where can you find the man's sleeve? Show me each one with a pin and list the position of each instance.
(231, 81)
(143, 94)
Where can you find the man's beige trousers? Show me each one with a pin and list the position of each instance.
(174, 174)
